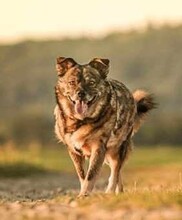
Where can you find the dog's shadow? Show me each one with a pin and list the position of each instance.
(27, 182)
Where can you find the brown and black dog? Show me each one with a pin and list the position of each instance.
(96, 118)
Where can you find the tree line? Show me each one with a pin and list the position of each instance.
(149, 59)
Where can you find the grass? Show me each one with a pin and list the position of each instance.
(57, 158)
(41, 183)
(156, 156)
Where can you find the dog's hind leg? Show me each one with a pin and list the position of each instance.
(115, 166)
(119, 187)
(125, 149)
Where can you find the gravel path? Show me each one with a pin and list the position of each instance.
(39, 197)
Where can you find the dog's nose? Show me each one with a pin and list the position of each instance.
(81, 94)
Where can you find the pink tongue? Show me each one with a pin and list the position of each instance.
(80, 107)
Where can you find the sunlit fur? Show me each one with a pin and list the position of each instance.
(96, 119)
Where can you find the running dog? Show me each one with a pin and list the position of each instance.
(96, 118)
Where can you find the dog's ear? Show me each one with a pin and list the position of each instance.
(63, 64)
(102, 65)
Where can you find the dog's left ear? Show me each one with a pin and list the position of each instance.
(102, 65)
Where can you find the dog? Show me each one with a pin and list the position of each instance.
(96, 118)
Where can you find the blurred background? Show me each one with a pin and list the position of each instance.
(143, 40)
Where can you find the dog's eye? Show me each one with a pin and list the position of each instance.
(92, 83)
(71, 83)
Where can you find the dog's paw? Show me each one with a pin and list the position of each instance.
(83, 195)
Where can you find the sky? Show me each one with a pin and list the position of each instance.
(44, 19)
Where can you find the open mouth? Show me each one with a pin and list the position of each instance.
(89, 103)
(80, 106)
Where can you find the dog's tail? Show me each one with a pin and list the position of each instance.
(145, 102)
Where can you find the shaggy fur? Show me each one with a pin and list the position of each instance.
(96, 118)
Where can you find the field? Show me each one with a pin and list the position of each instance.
(39, 183)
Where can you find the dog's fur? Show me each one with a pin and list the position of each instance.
(96, 118)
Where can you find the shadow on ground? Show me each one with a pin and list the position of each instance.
(20, 169)
(27, 182)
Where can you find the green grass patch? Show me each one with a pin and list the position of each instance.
(37, 159)
(155, 156)
(54, 159)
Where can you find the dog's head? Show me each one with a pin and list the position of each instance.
(83, 85)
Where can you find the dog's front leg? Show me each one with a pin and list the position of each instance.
(78, 162)
(95, 164)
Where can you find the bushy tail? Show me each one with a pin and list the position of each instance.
(145, 103)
